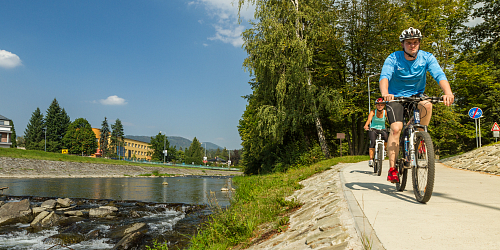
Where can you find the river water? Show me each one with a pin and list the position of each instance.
(192, 190)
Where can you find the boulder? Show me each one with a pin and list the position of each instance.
(64, 239)
(14, 212)
(50, 220)
(100, 212)
(49, 204)
(128, 229)
(66, 202)
(94, 234)
(38, 210)
(74, 213)
(37, 222)
(129, 241)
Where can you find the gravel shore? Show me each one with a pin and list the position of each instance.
(28, 168)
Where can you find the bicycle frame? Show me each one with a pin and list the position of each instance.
(416, 135)
(379, 143)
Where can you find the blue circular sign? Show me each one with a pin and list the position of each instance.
(475, 113)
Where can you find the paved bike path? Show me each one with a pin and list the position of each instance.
(463, 212)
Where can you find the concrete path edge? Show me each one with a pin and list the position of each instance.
(362, 225)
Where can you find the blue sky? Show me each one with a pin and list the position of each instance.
(172, 66)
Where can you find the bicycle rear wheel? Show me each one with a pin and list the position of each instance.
(402, 171)
(423, 172)
(380, 159)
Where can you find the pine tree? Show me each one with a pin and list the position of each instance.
(34, 133)
(13, 137)
(194, 153)
(105, 133)
(56, 122)
(117, 134)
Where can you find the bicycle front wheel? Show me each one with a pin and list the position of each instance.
(402, 171)
(380, 159)
(423, 172)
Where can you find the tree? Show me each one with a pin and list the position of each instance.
(224, 154)
(13, 136)
(56, 123)
(158, 144)
(79, 138)
(194, 153)
(483, 40)
(34, 133)
(235, 157)
(21, 142)
(117, 142)
(105, 134)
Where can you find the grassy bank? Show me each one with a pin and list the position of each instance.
(49, 156)
(259, 208)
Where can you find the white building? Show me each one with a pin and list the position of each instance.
(5, 131)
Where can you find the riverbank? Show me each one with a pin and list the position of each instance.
(303, 208)
(31, 168)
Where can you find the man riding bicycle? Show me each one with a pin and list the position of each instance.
(404, 75)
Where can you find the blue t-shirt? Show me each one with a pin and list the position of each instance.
(407, 78)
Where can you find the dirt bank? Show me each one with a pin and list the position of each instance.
(28, 168)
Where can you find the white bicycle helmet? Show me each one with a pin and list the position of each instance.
(410, 33)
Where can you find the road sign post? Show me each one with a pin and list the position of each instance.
(476, 114)
(340, 136)
(496, 131)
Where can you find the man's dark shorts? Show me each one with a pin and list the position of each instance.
(395, 111)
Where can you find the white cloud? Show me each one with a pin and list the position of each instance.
(113, 100)
(225, 13)
(9, 60)
(231, 35)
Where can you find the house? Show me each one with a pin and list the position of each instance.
(5, 131)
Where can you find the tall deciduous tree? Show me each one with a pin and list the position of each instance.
(289, 103)
(117, 142)
(485, 36)
(56, 123)
(105, 134)
(158, 144)
(79, 138)
(34, 133)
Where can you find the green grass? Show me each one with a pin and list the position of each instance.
(259, 207)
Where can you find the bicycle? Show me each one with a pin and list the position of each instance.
(416, 150)
(379, 153)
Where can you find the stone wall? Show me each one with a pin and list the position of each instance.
(484, 159)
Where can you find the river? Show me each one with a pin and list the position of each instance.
(190, 190)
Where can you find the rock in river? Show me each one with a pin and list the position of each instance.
(14, 212)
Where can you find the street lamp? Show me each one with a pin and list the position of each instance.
(164, 143)
(369, 100)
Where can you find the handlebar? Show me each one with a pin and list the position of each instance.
(432, 99)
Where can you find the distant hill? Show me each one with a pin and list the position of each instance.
(175, 141)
